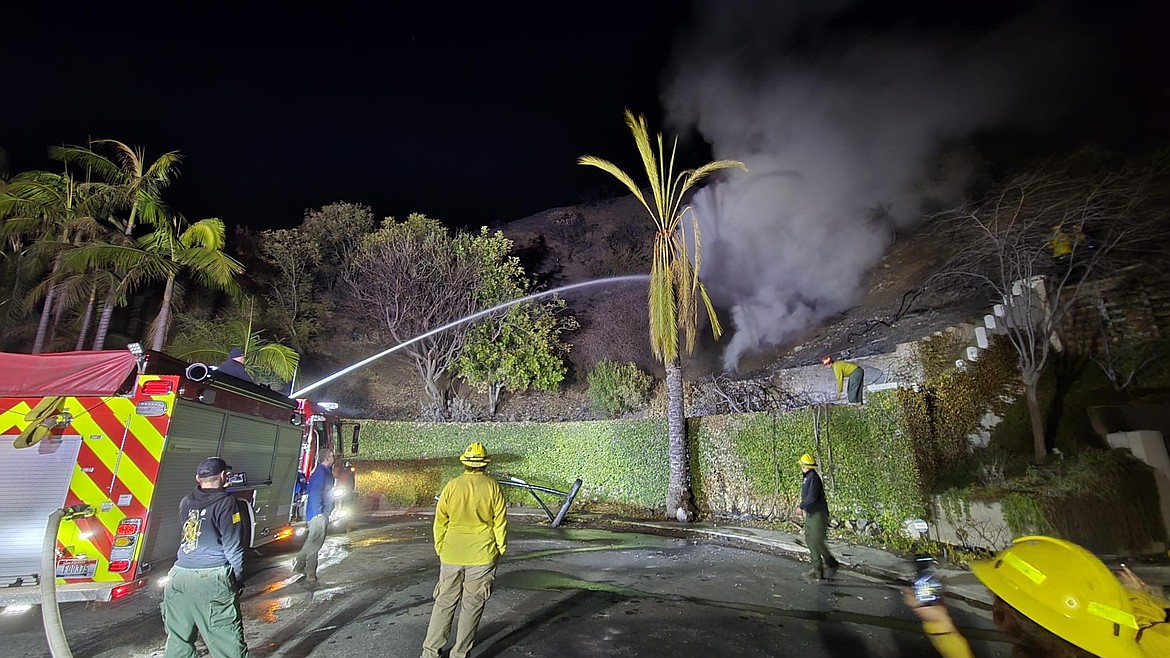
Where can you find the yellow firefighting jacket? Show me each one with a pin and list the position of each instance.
(842, 369)
(471, 526)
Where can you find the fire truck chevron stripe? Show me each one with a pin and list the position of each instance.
(139, 437)
(113, 471)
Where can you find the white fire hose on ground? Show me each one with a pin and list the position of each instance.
(50, 611)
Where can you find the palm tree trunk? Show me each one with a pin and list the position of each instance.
(103, 328)
(163, 321)
(47, 309)
(43, 326)
(679, 498)
(85, 320)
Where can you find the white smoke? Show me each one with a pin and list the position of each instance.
(830, 127)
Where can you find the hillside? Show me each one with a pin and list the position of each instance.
(578, 243)
(574, 244)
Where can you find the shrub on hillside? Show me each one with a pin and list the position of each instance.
(618, 387)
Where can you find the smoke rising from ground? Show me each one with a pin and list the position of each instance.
(840, 128)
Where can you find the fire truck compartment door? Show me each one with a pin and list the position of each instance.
(33, 482)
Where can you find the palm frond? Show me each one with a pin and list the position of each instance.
(100, 165)
(613, 170)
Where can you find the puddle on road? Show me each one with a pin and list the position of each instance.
(554, 581)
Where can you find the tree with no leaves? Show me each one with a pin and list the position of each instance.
(675, 288)
(408, 278)
(1038, 241)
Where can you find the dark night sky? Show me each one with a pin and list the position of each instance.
(469, 112)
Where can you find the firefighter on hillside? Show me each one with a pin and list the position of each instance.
(471, 533)
(852, 371)
(203, 591)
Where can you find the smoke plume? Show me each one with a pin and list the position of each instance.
(839, 123)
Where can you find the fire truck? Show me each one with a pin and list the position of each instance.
(116, 436)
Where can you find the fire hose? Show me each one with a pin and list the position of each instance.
(50, 611)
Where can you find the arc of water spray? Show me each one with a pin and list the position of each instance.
(463, 320)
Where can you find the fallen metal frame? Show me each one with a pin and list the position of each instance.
(554, 519)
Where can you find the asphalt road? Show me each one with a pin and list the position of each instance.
(567, 592)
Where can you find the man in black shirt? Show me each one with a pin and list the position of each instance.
(816, 521)
(234, 366)
(203, 590)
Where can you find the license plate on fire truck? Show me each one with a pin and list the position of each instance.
(75, 568)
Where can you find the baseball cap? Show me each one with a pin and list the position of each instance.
(235, 353)
(211, 466)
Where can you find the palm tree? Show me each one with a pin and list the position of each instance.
(173, 247)
(265, 360)
(141, 183)
(675, 288)
(45, 215)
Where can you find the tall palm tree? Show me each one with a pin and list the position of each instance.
(142, 183)
(45, 215)
(172, 248)
(675, 288)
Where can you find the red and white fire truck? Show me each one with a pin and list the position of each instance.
(120, 434)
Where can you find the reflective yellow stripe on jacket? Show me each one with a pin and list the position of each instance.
(471, 526)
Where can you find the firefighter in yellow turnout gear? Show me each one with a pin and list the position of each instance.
(852, 373)
(471, 533)
(1056, 599)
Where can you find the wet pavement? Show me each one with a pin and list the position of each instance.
(573, 591)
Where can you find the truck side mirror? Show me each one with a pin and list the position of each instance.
(357, 428)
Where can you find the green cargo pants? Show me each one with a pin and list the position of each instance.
(203, 600)
(816, 525)
(856, 384)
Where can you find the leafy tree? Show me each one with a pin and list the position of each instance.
(675, 288)
(616, 388)
(45, 214)
(141, 183)
(140, 186)
(412, 277)
(293, 260)
(518, 351)
(172, 248)
(337, 230)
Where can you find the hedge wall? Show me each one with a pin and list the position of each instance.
(742, 464)
(620, 461)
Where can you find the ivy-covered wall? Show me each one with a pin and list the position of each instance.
(742, 464)
(620, 461)
(747, 463)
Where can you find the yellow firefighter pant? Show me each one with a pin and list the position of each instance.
(472, 584)
(203, 600)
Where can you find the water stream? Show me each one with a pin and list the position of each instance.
(469, 318)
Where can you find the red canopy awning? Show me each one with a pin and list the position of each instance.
(64, 373)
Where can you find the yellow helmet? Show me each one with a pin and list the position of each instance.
(807, 460)
(1071, 593)
(475, 456)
